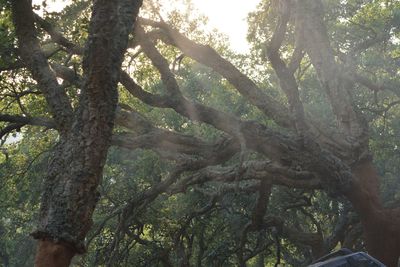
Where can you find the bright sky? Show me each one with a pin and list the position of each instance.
(228, 16)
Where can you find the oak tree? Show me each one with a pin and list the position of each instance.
(276, 138)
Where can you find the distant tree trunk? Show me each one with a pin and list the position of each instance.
(381, 225)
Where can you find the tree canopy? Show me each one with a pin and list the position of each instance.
(131, 135)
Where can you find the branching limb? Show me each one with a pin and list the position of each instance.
(165, 141)
(159, 62)
(285, 74)
(209, 57)
(8, 129)
(309, 18)
(257, 137)
(267, 172)
(36, 121)
(56, 36)
(35, 59)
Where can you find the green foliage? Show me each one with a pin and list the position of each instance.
(22, 173)
(157, 234)
(7, 39)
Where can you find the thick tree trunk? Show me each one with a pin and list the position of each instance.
(382, 236)
(381, 226)
(51, 254)
(70, 190)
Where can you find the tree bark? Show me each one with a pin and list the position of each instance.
(381, 225)
(50, 253)
(70, 190)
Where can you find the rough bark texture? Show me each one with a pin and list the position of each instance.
(70, 190)
(381, 225)
(53, 254)
(35, 59)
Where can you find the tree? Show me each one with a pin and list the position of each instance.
(75, 170)
(267, 143)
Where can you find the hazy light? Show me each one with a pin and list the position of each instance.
(52, 6)
(228, 16)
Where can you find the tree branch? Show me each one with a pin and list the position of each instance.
(36, 121)
(309, 18)
(286, 76)
(35, 59)
(209, 57)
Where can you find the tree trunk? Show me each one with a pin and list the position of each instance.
(382, 236)
(50, 254)
(381, 226)
(70, 189)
